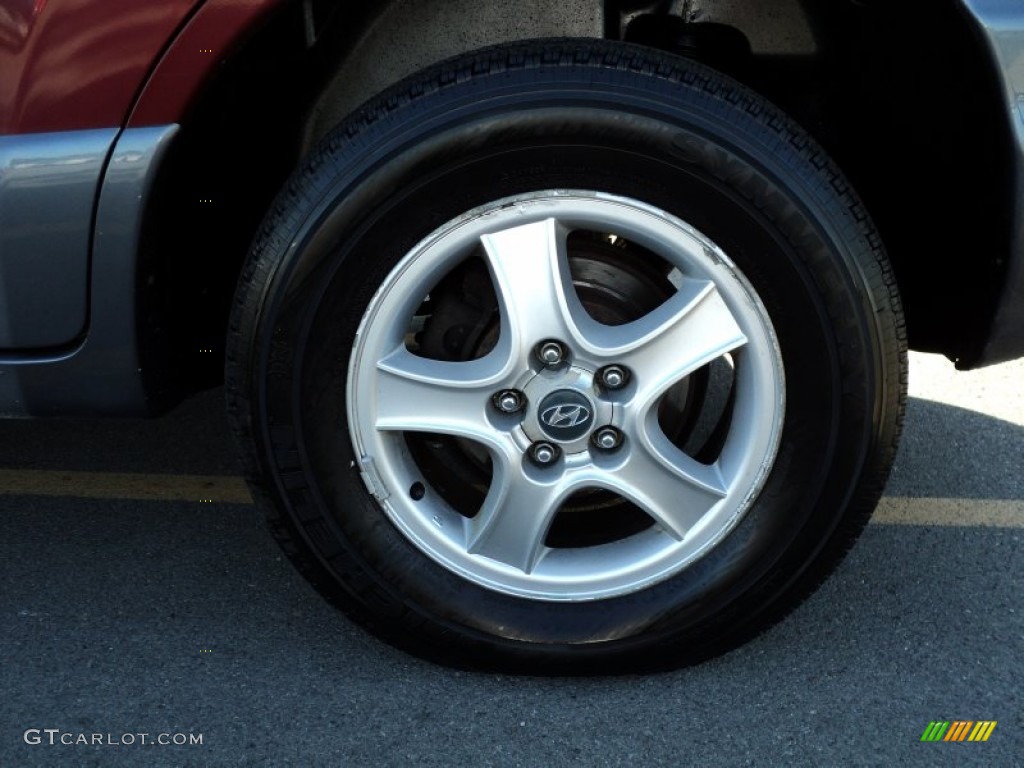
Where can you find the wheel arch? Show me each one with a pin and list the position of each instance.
(299, 69)
(798, 52)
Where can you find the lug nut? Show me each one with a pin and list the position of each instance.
(551, 353)
(508, 401)
(614, 377)
(608, 438)
(543, 453)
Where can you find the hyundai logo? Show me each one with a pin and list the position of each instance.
(565, 415)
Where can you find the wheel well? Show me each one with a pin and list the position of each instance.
(409, 35)
(914, 119)
(909, 103)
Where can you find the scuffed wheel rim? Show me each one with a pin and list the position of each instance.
(539, 411)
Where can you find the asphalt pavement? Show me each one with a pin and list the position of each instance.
(126, 611)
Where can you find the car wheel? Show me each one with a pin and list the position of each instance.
(567, 356)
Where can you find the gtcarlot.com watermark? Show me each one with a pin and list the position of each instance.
(56, 737)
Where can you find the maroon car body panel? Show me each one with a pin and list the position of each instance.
(77, 64)
(207, 39)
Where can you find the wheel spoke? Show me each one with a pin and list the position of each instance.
(671, 487)
(515, 518)
(533, 282)
(688, 331)
(417, 394)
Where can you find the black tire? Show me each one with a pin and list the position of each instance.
(588, 115)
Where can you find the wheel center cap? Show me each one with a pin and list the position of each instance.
(565, 415)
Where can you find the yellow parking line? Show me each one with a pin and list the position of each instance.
(985, 513)
(893, 510)
(115, 485)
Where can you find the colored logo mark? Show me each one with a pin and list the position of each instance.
(958, 730)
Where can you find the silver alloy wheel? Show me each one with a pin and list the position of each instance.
(713, 314)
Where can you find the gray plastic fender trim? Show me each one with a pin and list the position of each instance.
(102, 374)
(1001, 23)
(48, 184)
